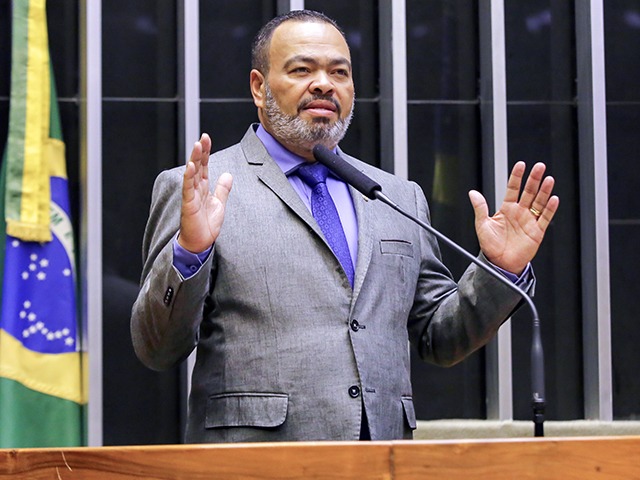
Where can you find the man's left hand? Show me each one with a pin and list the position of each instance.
(511, 237)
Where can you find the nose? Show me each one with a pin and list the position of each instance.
(321, 84)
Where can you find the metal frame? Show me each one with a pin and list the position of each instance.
(284, 6)
(189, 73)
(594, 208)
(493, 104)
(91, 226)
(189, 118)
(394, 141)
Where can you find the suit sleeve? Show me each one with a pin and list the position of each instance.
(167, 314)
(450, 321)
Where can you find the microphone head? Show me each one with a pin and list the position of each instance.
(347, 172)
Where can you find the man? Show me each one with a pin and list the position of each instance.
(301, 331)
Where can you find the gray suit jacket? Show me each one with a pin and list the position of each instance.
(287, 350)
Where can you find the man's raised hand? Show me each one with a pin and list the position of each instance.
(202, 211)
(511, 237)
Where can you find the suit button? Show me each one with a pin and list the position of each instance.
(354, 391)
(354, 325)
(168, 296)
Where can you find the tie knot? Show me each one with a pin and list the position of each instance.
(313, 174)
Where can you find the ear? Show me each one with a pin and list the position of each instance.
(257, 84)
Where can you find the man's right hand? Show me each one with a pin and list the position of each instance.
(202, 212)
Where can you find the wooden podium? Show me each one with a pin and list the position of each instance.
(544, 458)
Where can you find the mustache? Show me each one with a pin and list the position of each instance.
(316, 97)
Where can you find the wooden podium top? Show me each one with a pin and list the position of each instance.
(535, 458)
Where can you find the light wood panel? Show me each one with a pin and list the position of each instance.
(599, 458)
(349, 461)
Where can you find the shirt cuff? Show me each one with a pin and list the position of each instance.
(524, 277)
(186, 262)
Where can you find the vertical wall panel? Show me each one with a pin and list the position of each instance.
(444, 158)
(541, 111)
(494, 169)
(594, 240)
(91, 234)
(621, 31)
(140, 133)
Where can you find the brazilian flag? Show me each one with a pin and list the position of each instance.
(41, 392)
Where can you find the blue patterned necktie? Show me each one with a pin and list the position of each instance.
(326, 214)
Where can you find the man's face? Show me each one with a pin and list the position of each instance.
(308, 95)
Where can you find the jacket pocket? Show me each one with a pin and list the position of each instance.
(246, 410)
(396, 247)
(409, 412)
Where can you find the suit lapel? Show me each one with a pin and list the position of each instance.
(365, 240)
(269, 173)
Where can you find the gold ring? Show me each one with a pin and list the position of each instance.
(536, 212)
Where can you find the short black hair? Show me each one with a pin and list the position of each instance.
(262, 41)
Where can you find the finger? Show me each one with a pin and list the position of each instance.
(540, 202)
(205, 142)
(514, 183)
(223, 187)
(532, 186)
(195, 160)
(194, 172)
(479, 204)
(196, 152)
(548, 213)
(188, 184)
(200, 158)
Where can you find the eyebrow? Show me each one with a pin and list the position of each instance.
(305, 59)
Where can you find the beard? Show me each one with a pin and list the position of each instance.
(292, 129)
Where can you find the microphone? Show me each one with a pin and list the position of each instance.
(371, 189)
(347, 172)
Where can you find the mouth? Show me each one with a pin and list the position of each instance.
(321, 108)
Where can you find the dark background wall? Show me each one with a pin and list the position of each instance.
(140, 127)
